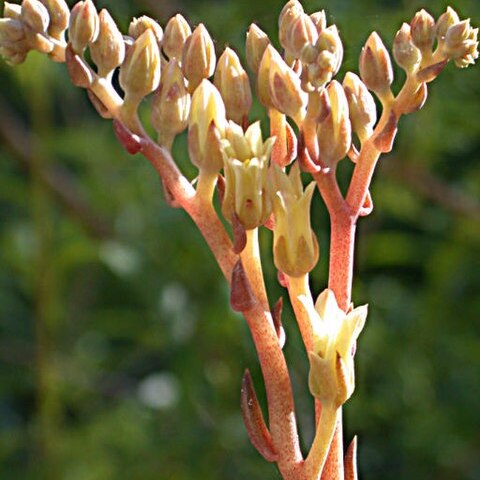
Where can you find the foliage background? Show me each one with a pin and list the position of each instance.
(119, 357)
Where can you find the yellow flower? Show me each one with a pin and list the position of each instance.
(295, 247)
(332, 373)
(246, 165)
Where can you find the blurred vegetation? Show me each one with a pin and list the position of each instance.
(119, 357)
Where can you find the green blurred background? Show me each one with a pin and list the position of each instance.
(119, 357)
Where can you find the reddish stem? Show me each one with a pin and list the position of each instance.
(342, 238)
(283, 425)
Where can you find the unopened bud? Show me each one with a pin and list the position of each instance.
(206, 128)
(302, 34)
(334, 134)
(406, 54)
(285, 88)
(319, 20)
(295, 246)
(108, 50)
(139, 25)
(461, 43)
(256, 44)
(329, 59)
(35, 16)
(233, 84)
(171, 104)
(361, 106)
(11, 31)
(176, 33)
(375, 66)
(140, 72)
(444, 22)
(84, 25)
(198, 58)
(290, 12)
(423, 31)
(12, 10)
(59, 17)
(14, 46)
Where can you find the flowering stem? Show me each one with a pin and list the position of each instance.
(206, 185)
(274, 368)
(282, 421)
(251, 262)
(298, 287)
(315, 462)
(342, 233)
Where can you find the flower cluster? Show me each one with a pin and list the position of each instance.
(316, 121)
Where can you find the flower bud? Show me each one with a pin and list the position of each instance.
(140, 72)
(59, 17)
(375, 66)
(108, 50)
(11, 30)
(35, 16)
(176, 33)
(245, 158)
(207, 124)
(361, 106)
(198, 57)
(139, 25)
(319, 20)
(423, 32)
(14, 46)
(295, 246)
(461, 44)
(406, 54)
(233, 84)
(290, 12)
(334, 133)
(302, 33)
(444, 22)
(285, 88)
(12, 10)
(256, 44)
(84, 25)
(171, 104)
(329, 59)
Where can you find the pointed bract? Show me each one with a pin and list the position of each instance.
(253, 418)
